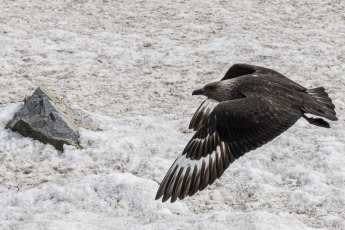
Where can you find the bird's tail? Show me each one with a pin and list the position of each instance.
(323, 105)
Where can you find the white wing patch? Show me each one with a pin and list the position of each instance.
(202, 113)
(187, 176)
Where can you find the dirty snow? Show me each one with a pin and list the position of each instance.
(131, 66)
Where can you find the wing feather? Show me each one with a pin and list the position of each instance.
(230, 130)
(202, 113)
(238, 70)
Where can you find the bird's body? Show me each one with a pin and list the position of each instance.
(249, 107)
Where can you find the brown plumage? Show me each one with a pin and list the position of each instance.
(247, 108)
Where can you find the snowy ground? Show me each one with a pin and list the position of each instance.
(132, 65)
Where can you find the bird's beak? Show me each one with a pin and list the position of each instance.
(198, 92)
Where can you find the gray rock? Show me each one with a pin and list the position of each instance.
(47, 118)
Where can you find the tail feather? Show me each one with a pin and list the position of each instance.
(321, 95)
(324, 107)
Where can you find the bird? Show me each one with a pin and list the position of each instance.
(248, 107)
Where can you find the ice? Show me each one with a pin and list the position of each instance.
(132, 66)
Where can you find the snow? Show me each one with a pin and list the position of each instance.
(132, 66)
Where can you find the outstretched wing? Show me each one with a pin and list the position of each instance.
(239, 70)
(232, 129)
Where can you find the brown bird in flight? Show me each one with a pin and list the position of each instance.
(247, 108)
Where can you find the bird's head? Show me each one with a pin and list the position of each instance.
(215, 90)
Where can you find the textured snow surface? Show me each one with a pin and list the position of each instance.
(132, 66)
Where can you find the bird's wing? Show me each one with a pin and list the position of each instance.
(202, 113)
(232, 129)
(239, 70)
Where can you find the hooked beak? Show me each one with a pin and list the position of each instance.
(198, 92)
